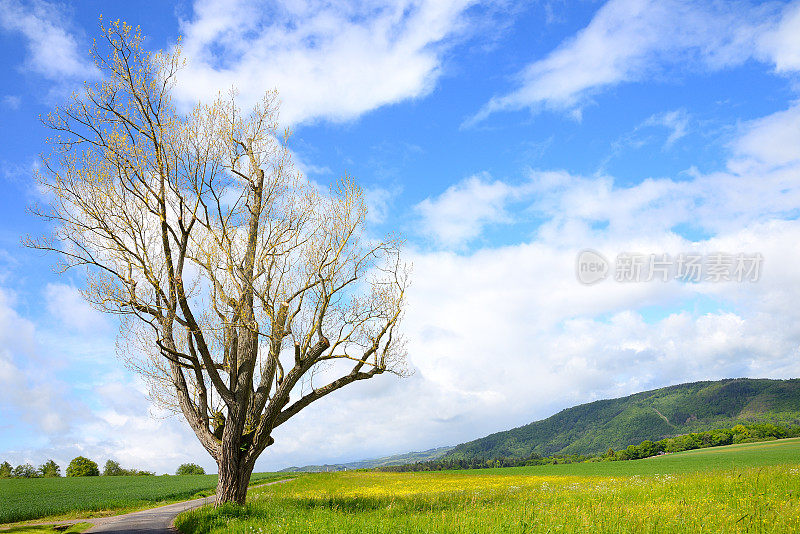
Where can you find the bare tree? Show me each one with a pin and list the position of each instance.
(245, 292)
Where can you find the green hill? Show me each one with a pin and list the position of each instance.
(617, 423)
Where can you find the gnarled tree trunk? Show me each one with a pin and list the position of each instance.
(234, 478)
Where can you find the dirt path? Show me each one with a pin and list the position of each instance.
(153, 521)
(662, 416)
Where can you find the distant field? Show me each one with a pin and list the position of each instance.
(743, 488)
(23, 499)
(765, 453)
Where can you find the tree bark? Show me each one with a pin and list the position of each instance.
(234, 479)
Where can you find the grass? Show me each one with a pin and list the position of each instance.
(765, 453)
(44, 529)
(69, 498)
(744, 488)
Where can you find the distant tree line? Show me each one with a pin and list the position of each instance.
(49, 469)
(701, 440)
(80, 466)
(695, 440)
(113, 469)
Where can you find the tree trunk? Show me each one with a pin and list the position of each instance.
(233, 480)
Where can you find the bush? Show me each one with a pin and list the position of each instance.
(82, 467)
(5, 470)
(190, 469)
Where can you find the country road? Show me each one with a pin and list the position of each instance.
(155, 520)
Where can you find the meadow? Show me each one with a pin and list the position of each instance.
(35, 498)
(741, 488)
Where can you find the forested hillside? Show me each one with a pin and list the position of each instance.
(650, 415)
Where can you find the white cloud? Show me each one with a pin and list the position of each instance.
(631, 40)
(487, 320)
(773, 140)
(782, 43)
(25, 386)
(379, 201)
(676, 121)
(66, 304)
(364, 55)
(760, 184)
(502, 336)
(459, 214)
(76, 402)
(499, 337)
(53, 51)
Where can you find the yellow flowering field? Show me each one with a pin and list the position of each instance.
(762, 498)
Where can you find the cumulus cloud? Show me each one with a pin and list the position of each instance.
(459, 214)
(500, 336)
(782, 42)
(63, 393)
(773, 140)
(497, 319)
(631, 40)
(66, 304)
(759, 184)
(26, 389)
(364, 55)
(53, 51)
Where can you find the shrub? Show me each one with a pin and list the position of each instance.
(190, 469)
(82, 467)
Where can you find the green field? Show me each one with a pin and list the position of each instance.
(44, 529)
(765, 453)
(33, 498)
(741, 488)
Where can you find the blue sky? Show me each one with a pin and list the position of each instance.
(500, 138)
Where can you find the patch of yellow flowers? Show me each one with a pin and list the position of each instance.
(755, 499)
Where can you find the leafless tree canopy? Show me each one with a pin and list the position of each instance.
(236, 279)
